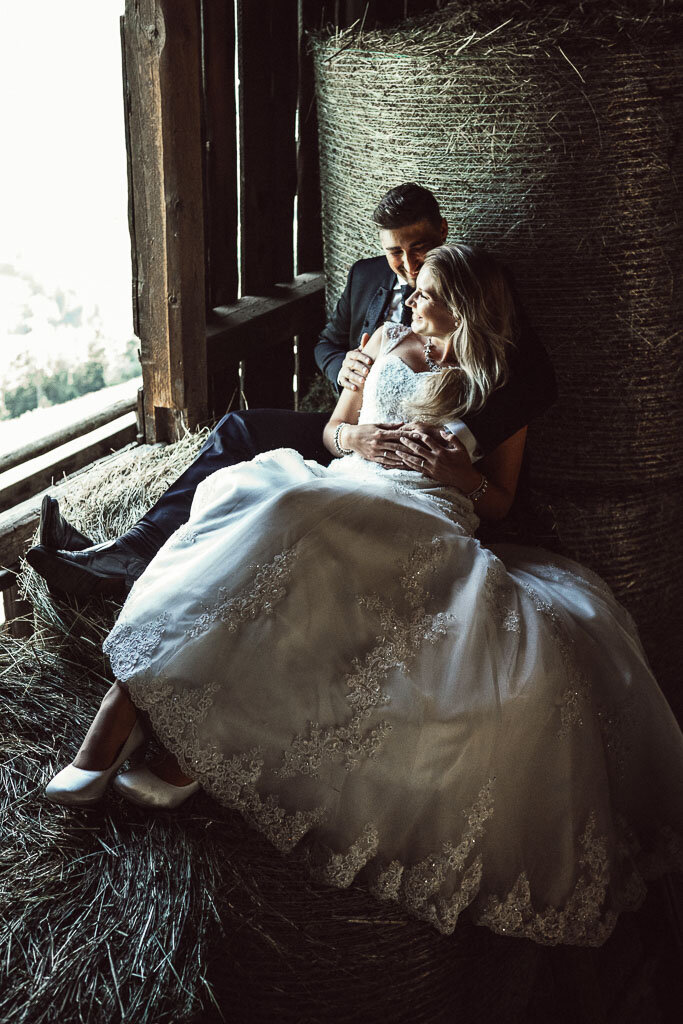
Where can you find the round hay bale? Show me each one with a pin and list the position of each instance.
(552, 139)
(634, 540)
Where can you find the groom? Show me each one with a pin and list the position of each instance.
(410, 224)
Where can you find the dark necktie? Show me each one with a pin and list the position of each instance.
(406, 312)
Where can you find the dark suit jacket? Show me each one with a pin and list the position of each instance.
(530, 388)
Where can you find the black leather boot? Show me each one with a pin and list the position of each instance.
(108, 568)
(56, 532)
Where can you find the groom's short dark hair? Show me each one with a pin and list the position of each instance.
(407, 204)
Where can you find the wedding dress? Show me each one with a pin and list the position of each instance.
(332, 653)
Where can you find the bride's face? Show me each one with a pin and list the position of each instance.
(431, 316)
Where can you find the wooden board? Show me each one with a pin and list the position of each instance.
(19, 523)
(219, 127)
(162, 70)
(309, 254)
(259, 331)
(21, 482)
(51, 441)
(267, 58)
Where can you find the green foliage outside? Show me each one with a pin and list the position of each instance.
(37, 387)
(32, 377)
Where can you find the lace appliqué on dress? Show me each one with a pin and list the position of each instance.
(233, 781)
(185, 534)
(392, 334)
(418, 887)
(129, 647)
(578, 693)
(498, 589)
(388, 390)
(401, 637)
(583, 921)
(578, 696)
(340, 869)
(267, 589)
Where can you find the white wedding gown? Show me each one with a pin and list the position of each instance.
(331, 652)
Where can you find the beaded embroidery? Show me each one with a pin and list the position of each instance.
(583, 919)
(578, 692)
(232, 781)
(340, 869)
(268, 588)
(418, 887)
(498, 589)
(185, 534)
(401, 637)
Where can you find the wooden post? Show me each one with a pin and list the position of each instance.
(162, 70)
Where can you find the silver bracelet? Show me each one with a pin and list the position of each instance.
(479, 491)
(340, 450)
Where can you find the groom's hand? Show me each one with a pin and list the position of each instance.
(355, 368)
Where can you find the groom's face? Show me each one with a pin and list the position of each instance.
(405, 248)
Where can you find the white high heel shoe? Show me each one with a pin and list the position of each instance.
(141, 786)
(76, 787)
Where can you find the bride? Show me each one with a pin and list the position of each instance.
(332, 653)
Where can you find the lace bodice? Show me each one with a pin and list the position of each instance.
(391, 383)
(389, 386)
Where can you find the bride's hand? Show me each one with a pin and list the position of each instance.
(438, 455)
(376, 442)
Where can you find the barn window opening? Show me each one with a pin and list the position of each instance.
(68, 347)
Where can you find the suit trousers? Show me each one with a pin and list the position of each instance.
(238, 437)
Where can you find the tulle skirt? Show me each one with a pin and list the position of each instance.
(333, 654)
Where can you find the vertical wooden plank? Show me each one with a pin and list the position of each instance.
(267, 46)
(220, 150)
(17, 613)
(309, 253)
(127, 109)
(309, 249)
(162, 61)
(267, 59)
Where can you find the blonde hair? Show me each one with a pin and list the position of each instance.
(473, 287)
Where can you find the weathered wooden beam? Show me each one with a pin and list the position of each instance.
(267, 59)
(220, 150)
(264, 321)
(251, 328)
(163, 104)
(18, 524)
(59, 437)
(21, 482)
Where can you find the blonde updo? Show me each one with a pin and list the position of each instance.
(473, 286)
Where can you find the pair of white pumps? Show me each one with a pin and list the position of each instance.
(76, 787)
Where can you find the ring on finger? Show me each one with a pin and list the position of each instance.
(422, 464)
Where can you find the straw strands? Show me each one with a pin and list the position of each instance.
(552, 137)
